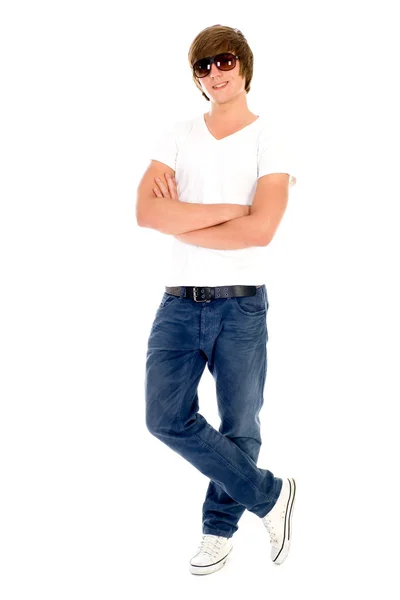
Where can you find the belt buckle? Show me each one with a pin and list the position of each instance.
(205, 297)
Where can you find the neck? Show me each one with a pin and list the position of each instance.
(233, 111)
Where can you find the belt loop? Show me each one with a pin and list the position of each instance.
(182, 292)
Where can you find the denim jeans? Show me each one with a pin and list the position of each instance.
(230, 336)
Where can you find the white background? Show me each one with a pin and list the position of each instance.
(92, 505)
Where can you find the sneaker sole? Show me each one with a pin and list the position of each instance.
(284, 551)
(206, 569)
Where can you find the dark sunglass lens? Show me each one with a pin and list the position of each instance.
(225, 61)
(201, 67)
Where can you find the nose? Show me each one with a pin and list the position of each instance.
(214, 71)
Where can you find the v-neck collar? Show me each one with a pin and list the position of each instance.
(226, 136)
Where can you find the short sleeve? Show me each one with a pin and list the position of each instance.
(165, 147)
(276, 155)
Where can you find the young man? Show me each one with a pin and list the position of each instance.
(218, 184)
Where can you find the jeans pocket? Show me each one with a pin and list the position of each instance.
(252, 305)
(266, 297)
(166, 298)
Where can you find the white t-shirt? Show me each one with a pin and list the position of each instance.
(213, 171)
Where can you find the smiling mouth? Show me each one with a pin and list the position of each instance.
(221, 87)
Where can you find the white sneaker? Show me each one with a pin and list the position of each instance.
(211, 555)
(278, 521)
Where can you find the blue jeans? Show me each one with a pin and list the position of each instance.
(230, 336)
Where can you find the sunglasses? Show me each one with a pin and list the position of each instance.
(224, 62)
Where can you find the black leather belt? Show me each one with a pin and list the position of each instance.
(206, 294)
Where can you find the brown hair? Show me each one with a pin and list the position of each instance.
(219, 38)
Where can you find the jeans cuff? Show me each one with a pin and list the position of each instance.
(226, 534)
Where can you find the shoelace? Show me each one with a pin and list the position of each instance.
(270, 527)
(210, 544)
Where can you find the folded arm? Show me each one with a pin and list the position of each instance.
(232, 235)
(219, 226)
(175, 217)
(163, 211)
(256, 229)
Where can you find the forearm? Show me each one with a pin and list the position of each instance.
(175, 217)
(232, 235)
